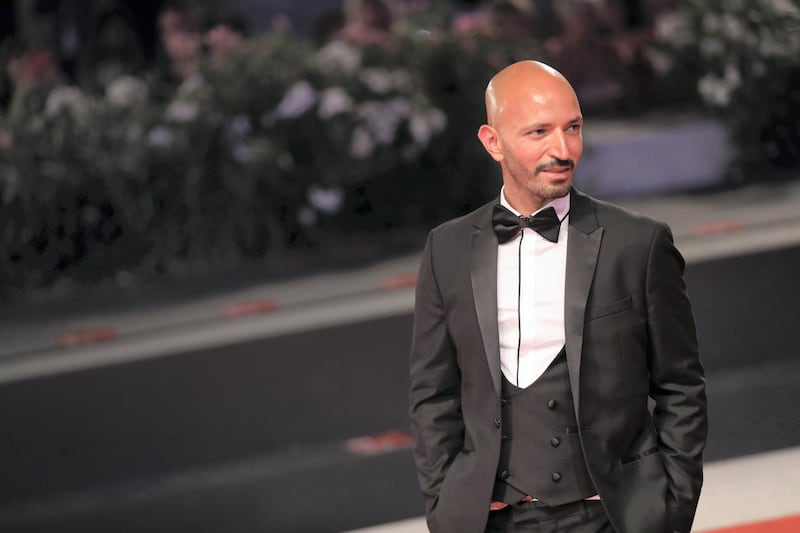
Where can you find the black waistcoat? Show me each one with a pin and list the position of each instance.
(540, 453)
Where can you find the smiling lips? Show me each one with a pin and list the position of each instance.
(558, 171)
(557, 167)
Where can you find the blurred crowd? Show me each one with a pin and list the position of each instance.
(600, 45)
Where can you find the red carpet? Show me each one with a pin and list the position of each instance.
(789, 524)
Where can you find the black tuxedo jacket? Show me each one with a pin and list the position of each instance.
(634, 368)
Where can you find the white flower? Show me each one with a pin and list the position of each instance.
(298, 99)
(713, 90)
(160, 137)
(66, 99)
(711, 22)
(333, 101)
(437, 118)
(382, 117)
(768, 46)
(182, 111)
(382, 81)
(377, 80)
(660, 61)
(401, 107)
(326, 200)
(338, 56)
(718, 91)
(420, 129)
(732, 27)
(191, 86)
(674, 28)
(361, 144)
(126, 91)
(732, 77)
(785, 7)
(423, 126)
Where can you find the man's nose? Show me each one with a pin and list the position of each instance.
(559, 147)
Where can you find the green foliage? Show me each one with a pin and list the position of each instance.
(284, 146)
(279, 147)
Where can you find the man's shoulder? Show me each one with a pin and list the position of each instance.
(613, 215)
(477, 218)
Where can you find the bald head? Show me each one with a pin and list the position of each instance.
(534, 131)
(524, 78)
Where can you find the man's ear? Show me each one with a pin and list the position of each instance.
(491, 141)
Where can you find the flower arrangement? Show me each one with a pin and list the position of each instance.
(743, 60)
(244, 160)
(285, 146)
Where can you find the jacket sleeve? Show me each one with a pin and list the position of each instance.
(435, 401)
(677, 379)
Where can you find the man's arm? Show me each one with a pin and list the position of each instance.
(435, 397)
(677, 379)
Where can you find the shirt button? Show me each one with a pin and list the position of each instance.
(497, 422)
(556, 476)
(551, 404)
(555, 441)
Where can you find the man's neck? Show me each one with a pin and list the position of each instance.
(561, 204)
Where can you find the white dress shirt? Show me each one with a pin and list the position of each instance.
(530, 306)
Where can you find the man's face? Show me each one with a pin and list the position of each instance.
(539, 128)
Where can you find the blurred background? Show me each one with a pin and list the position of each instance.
(211, 215)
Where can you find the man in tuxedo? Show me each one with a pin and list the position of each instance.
(556, 382)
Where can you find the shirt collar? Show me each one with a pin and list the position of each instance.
(561, 205)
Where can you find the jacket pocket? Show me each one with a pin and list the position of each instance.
(638, 456)
(601, 311)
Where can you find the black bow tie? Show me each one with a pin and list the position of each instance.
(507, 224)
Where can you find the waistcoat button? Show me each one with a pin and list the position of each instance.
(497, 422)
(555, 441)
(556, 476)
(551, 404)
(504, 474)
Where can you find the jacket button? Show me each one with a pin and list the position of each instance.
(555, 441)
(497, 422)
(504, 474)
(551, 404)
(556, 476)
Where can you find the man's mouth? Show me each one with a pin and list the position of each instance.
(556, 167)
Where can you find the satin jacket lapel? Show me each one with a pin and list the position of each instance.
(483, 272)
(583, 248)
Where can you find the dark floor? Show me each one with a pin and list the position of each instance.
(249, 437)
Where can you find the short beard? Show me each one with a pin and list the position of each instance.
(550, 192)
